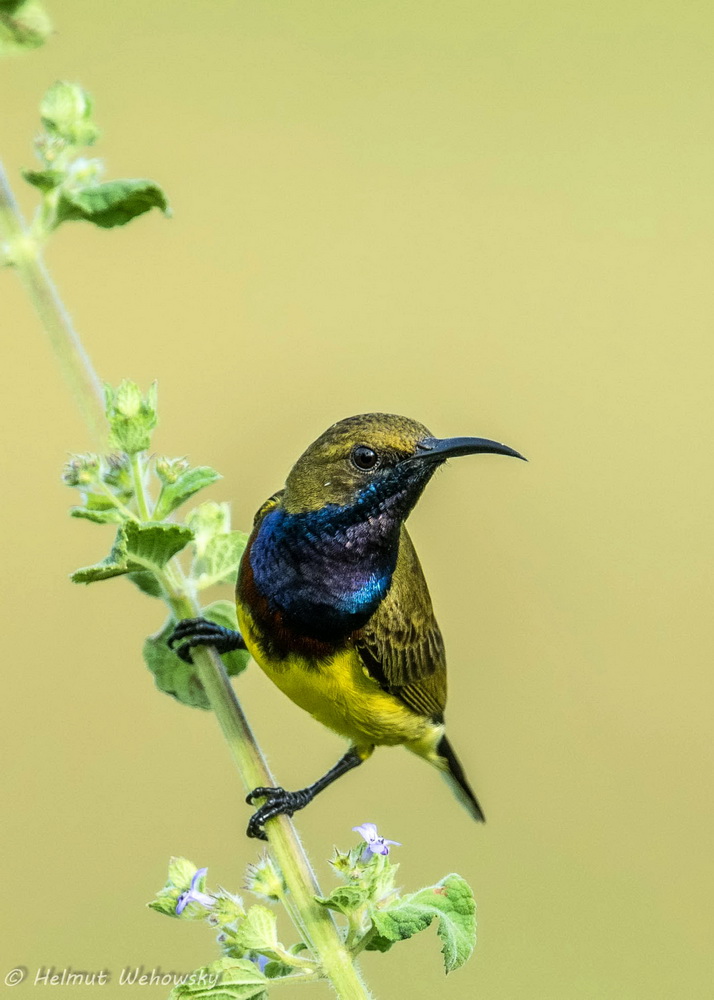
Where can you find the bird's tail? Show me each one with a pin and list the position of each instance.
(450, 766)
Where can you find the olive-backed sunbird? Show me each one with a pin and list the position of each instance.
(333, 605)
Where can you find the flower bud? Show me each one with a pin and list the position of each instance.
(84, 172)
(66, 112)
(117, 474)
(265, 880)
(131, 417)
(169, 469)
(81, 470)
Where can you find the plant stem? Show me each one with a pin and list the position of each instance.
(363, 942)
(23, 252)
(137, 472)
(284, 843)
(288, 853)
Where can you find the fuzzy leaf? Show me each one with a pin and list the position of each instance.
(189, 482)
(180, 679)
(226, 979)
(45, 180)
(258, 931)
(146, 582)
(24, 24)
(113, 203)
(345, 899)
(450, 902)
(115, 564)
(137, 547)
(220, 560)
(275, 969)
(171, 674)
(97, 501)
(109, 515)
(206, 521)
(153, 544)
(181, 871)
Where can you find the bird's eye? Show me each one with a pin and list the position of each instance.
(364, 458)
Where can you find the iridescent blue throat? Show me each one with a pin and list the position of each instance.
(327, 570)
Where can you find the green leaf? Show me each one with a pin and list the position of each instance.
(220, 560)
(345, 899)
(98, 501)
(258, 931)
(206, 521)
(276, 969)
(45, 180)
(180, 679)
(171, 674)
(24, 24)
(115, 564)
(146, 582)
(113, 203)
(181, 871)
(225, 979)
(137, 547)
(153, 544)
(189, 482)
(108, 516)
(450, 902)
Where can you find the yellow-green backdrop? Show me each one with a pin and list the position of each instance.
(497, 219)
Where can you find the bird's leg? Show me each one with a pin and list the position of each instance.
(278, 802)
(200, 632)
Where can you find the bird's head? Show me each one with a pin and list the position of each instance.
(374, 461)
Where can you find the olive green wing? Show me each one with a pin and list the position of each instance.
(401, 645)
(270, 504)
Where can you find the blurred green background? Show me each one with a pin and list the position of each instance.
(494, 218)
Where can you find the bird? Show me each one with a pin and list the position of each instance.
(333, 605)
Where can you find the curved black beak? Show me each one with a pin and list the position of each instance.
(439, 449)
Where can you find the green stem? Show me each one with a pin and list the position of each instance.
(285, 846)
(137, 472)
(128, 514)
(301, 977)
(362, 944)
(23, 252)
(289, 903)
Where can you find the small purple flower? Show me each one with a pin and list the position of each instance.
(260, 960)
(194, 895)
(375, 843)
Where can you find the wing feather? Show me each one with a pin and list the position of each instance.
(401, 645)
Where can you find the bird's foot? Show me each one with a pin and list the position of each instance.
(200, 632)
(278, 802)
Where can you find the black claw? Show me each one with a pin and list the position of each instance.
(263, 793)
(278, 803)
(201, 632)
(184, 653)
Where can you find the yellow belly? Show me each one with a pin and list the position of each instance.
(341, 695)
